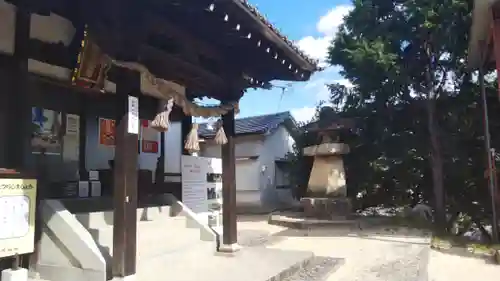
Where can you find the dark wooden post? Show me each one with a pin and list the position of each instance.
(18, 119)
(128, 37)
(125, 177)
(230, 233)
(82, 139)
(19, 114)
(186, 124)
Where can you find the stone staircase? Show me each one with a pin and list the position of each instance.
(159, 233)
(77, 244)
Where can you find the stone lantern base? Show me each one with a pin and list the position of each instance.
(326, 208)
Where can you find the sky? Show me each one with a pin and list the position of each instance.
(311, 24)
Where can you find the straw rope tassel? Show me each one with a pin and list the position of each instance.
(220, 136)
(192, 144)
(161, 123)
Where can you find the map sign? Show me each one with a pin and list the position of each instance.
(17, 216)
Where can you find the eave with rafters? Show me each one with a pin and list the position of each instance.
(207, 46)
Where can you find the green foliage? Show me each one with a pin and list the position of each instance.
(419, 135)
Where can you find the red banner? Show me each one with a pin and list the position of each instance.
(106, 132)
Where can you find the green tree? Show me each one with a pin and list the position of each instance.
(404, 54)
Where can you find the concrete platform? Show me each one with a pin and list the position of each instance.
(249, 264)
(299, 221)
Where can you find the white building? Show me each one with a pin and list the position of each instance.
(261, 145)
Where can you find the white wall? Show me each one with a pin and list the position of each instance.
(276, 146)
(173, 148)
(242, 148)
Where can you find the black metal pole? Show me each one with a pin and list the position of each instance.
(487, 142)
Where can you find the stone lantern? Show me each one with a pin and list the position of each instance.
(326, 196)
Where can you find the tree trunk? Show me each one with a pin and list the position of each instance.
(436, 161)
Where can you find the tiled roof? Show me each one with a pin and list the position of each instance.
(263, 19)
(250, 125)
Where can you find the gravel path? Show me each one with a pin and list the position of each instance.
(369, 255)
(317, 270)
(396, 263)
(375, 255)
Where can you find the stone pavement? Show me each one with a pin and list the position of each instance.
(375, 254)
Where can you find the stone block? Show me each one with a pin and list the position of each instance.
(327, 178)
(20, 274)
(326, 208)
(326, 149)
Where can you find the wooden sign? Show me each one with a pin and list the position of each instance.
(17, 216)
(133, 115)
(107, 132)
(149, 146)
(91, 65)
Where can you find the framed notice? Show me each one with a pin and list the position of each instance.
(107, 132)
(72, 125)
(194, 181)
(202, 188)
(46, 131)
(17, 216)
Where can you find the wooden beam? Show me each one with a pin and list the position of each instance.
(230, 233)
(230, 41)
(162, 26)
(176, 69)
(19, 114)
(239, 10)
(55, 54)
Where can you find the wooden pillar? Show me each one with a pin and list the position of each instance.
(230, 233)
(125, 175)
(186, 124)
(127, 38)
(19, 109)
(82, 139)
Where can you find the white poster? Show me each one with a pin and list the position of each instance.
(202, 188)
(72, 125)
(194, 181)
(133, 115)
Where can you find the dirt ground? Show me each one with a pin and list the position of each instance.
(377, 254)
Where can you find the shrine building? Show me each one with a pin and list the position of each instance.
(87, 92)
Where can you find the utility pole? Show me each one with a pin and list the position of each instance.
(489, 150)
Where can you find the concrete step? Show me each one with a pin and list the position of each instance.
(100, 219)
(249, 264)
(154, 238)
(299, 221)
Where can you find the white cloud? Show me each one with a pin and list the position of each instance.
(329, 23)
(327, 26)
(344, 82)
(303, 114)
(316, 48)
